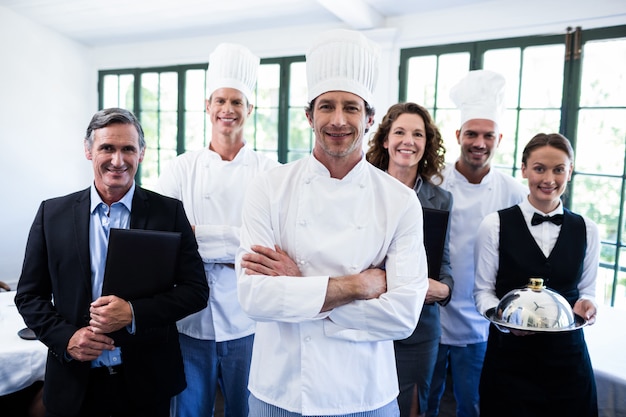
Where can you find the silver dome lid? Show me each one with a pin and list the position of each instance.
(535, 308)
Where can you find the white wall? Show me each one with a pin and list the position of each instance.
(48, 92)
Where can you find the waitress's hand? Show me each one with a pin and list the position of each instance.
(436, 291)
(586, 309)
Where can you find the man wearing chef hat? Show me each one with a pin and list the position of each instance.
(217, 342)
(477, 190)
(331, 262)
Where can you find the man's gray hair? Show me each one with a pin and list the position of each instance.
(111, 116)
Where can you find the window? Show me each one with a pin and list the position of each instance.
(170, 103)
(598, 187)
(571, 84)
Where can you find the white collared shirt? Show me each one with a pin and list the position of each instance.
(212, 192)
(342, 360)
(460, 322)
(487, 254)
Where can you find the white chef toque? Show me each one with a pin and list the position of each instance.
(342, 60)
(480, 95)
(232, 66)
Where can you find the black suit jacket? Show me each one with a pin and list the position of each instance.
(54, 294)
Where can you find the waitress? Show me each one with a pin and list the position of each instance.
(541, 373)
(409, 146)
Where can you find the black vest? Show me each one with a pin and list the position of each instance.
(521, 258)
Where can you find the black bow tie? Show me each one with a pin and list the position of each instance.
(538, 219)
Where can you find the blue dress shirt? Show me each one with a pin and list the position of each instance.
(102, 219)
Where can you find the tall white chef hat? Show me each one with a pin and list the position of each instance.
(342, 60)
(232, 66)
(480, 95)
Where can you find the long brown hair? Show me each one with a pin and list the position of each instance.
(431, 163)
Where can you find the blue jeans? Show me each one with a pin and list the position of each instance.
(208, 363)
(466, 364)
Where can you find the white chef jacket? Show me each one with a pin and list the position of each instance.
(487, 254)
(212, 191)
(460, 322)
(343, 361)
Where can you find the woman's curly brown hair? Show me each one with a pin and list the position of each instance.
(431, 163)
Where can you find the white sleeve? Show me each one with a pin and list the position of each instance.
(486, 258)
(265, 298)
(169, 183)
(217, 243)
(587, 284)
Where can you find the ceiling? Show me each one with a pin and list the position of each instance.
(103, 23)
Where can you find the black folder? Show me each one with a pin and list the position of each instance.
(140, 263)
(435, 229)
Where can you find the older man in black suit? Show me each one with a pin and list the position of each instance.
(59, 291)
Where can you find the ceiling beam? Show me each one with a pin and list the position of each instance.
(356, 13)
